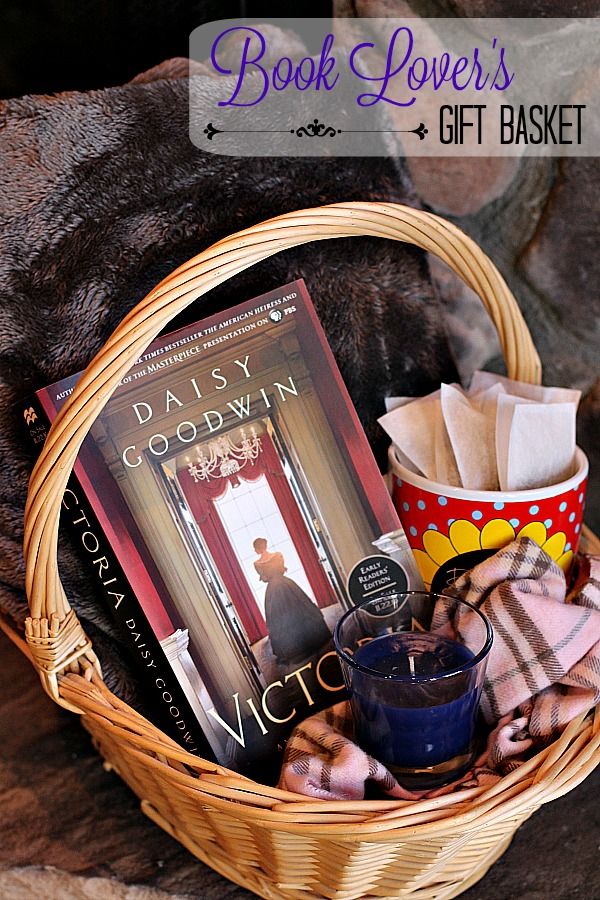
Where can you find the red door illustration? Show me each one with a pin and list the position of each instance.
(201, 498)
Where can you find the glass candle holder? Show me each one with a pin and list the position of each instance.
(414, 683)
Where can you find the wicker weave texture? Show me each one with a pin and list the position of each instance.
(279, 844)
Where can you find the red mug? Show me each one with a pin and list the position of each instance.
(451, 529)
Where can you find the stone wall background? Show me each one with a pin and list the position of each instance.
(538, 220)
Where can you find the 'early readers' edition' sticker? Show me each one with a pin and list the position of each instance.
(374, 576)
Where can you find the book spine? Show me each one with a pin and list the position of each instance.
(158, 679)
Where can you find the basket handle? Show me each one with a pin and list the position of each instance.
(54, 635)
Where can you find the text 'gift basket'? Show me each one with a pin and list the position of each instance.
(274, 842)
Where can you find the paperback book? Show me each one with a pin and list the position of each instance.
(230, 509)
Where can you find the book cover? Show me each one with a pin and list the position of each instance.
(162, 691)
(231, 478)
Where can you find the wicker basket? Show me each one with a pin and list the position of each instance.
(279, 844)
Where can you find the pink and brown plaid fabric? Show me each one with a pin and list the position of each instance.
(322, 760)
(546, 645)
(543, 670)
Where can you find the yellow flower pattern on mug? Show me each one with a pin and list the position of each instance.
(464, 536)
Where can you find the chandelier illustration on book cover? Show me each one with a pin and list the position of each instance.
(224, 458)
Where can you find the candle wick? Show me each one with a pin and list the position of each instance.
(411, 665)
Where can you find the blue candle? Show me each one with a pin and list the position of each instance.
(406, 720)
(414, 684)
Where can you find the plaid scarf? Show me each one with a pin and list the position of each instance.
(543, 671)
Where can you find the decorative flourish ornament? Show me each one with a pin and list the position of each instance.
(316, 129)
(210, 131)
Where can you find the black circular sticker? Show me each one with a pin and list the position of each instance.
(376, 575)
(453, 568)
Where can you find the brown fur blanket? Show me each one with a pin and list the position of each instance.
(103, 194)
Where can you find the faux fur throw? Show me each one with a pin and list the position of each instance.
(102, 196)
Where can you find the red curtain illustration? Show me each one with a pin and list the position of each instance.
(201, 496)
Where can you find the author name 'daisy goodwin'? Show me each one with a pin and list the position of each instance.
(186, 431)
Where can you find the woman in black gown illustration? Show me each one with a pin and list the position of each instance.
(296, 627)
